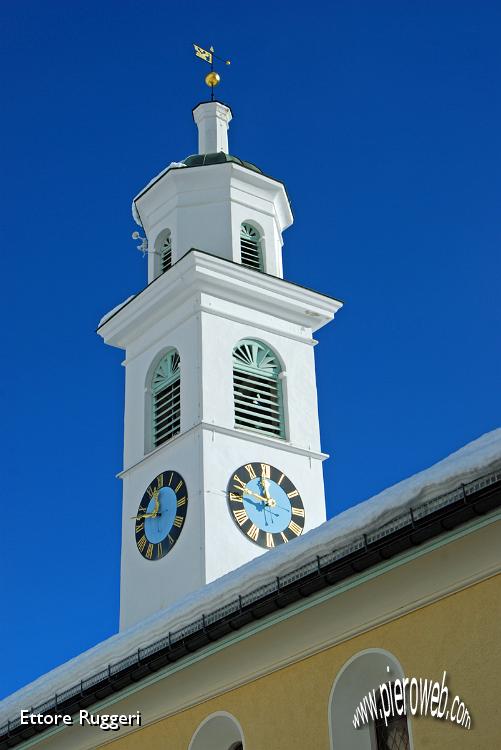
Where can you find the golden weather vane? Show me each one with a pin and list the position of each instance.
(212, 78)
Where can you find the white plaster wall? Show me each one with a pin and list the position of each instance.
(148, 586)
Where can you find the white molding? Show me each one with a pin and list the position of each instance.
(240, 434)
(270, 329)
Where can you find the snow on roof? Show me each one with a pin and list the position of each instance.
(115, 309)
(135, 214)
(478, 458)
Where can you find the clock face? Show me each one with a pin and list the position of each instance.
(161, 515)
(265, 505)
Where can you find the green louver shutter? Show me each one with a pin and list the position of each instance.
(257, 388)
(166, 395)
(250, 247)
(166, 256)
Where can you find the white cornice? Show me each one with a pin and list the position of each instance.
(225, 175)
(199, 272)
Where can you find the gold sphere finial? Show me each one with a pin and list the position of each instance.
(212, 78)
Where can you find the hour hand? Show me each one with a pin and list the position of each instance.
(145, 515)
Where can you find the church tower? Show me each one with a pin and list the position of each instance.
(222, 457)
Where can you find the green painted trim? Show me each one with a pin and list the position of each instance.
(271, 620)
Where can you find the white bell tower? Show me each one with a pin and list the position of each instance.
(214, 227)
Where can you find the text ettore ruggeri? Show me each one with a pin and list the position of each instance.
(105, 722)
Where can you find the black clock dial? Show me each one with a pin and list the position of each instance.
(161, 515)
(265, 505)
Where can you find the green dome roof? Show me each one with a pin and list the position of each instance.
(202, 160)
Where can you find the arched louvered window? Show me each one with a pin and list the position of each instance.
(166, 398)
(257, 388)
(250, 247)
(166, 254)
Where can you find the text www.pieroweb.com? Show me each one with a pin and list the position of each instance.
(411, 694)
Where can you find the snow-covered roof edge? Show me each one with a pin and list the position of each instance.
(135, 214)
(480, 457)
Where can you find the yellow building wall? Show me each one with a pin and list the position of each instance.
(288, 709)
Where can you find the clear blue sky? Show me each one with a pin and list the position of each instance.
(383, 119)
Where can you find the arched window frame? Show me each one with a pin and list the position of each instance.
(229, 734)
(251, 246)
(164, 392)
(258, 393)
(354, 677)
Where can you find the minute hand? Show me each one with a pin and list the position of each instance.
(254, 494)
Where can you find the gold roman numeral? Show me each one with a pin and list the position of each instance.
(170, 478)
(181, 501)
(236, 498)
(160, 481)
(171, 540)
(178, 522)
(150, 491)
(250, 471)
(292, 494)
(293, 526)
(159, 550)
(139, 526)
(241, 516)
(149, 551)
(176, 489)
(297, 511)
(253, 532)
(283, 536)
(141, 543)
(240, 485)
(269, 540)
(265, 470)
(281, 479)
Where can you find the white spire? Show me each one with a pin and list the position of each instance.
(212, 119)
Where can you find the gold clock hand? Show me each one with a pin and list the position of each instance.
(157, 503)
(268, 501)
(254, 494)
(265, 483)
(154, 513)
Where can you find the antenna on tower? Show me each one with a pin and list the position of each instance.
(211, 79)
(143, 247)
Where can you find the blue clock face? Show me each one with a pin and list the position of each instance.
(161, 515)
(265, 505)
